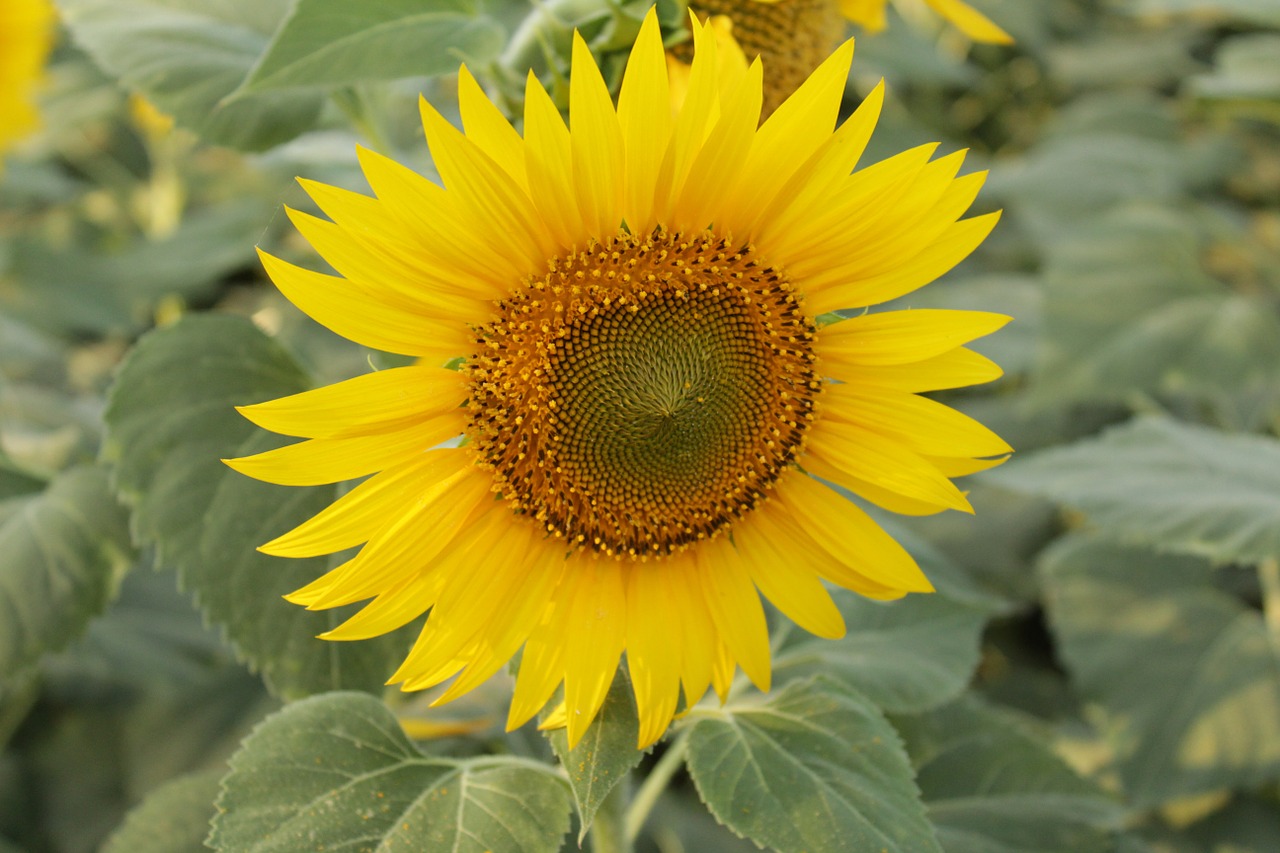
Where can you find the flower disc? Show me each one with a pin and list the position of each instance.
(645, 392)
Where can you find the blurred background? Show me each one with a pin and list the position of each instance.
(1103, 673)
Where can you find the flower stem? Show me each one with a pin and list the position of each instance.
(607, 828)
(655, 784)
(1269, 579)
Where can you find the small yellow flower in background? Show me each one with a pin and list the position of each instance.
(793, 36)
(26, 37)
(647, 394)
(147, 118)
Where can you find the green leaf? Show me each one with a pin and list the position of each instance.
(1174, 486)
(65, 550)
(1130, 310)
(340, 43)
(906, 656)
(173, 818)
(1184, 671)
(170, 421)
(337, 772)
(606, 753)
(187, 56)
(128, 281)
(814, 768)
(993, 787)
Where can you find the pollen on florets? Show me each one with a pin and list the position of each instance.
(644, 393)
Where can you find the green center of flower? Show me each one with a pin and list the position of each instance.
(644, 393)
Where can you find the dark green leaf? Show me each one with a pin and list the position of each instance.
(336, 772)
(174, 818)
(1184, 671)
(170, 421)
(906, 656)
(815, 768)
(64, 551)
(1175, 486)
(339, 43)
(992, 787)
(606, 753)
(187, 56)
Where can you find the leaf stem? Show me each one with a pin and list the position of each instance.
(1269, 579)
(655, 783)
(354, 104)
(608, 833)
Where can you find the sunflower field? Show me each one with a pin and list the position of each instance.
(490, 426)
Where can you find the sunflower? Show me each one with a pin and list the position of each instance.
(793, 36)
(26, 36)
(649, 387)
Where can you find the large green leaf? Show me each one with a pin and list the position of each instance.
(905, 656)
(188, 55)
(64, 552)
(339, 43)
(173, 818)
(114, 289)
(170, 420)
(1175, 486)
(814, 768)
(337, 772)
(1184, 671)
(1130, 310)
(993, 787)
(606, 753)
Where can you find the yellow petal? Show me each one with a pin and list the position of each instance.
(924, 425)
(793, 588)
(340, 306)
(644, 115)
(958, 368)
(789, 137)
(653, 649)
(549, 161)
(717, 170)
(598, 154)
(489, 129)
(951, 248)
(698, 114)
(375, 402)
(594, 637)
(356, 516)
(901, 337)
(486, 198)
(870, 456)
(849, 534)
(734, 604)
(331, 460)
(970, 21)
(878, 495)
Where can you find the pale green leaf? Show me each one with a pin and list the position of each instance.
(606, 753)
(1184, 671)
(1175, 486)
(993, 787)
(815, 767)
(337, 772)
(340, 43)
(187, 56)
(173, 818)
(64, 552)
(905, 656)
(170, 422)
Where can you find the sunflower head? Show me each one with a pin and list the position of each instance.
(648, 393)
(26, 36)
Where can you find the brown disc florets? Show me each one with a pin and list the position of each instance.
(645, 392)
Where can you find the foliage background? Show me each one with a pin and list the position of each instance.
(1100, 670)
